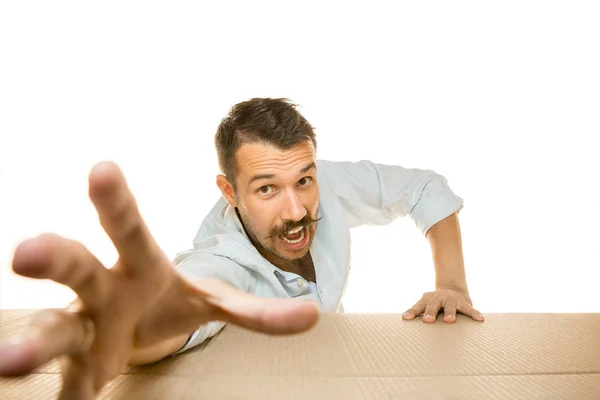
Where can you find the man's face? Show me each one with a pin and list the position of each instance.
(278, 198)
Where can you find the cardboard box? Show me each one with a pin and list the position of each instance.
(358, 356)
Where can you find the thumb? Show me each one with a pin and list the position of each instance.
(271, 316)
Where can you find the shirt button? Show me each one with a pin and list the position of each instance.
(300, 283)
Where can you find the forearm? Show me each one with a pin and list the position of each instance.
(157, 352)
(446, 247)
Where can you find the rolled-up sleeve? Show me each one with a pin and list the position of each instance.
(199, 264)
(377, 194)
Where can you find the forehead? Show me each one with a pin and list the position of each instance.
(258, 158)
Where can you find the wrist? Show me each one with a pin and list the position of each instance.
(451, 276)
(458, 286)
(157, 352)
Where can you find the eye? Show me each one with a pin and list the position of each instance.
(265, 190)
(305, 181)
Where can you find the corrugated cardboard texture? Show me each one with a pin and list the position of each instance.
(376, 356)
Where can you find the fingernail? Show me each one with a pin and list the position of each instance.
(407, 314)
(428, 316)
(480, 315)
(450, 316)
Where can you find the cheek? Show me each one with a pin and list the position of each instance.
(311, 201)
(260, 218)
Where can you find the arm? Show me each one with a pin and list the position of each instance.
(157, 352)
(451, 292)
(141, 302)
(377, 194)
(195, 266)
(446, 248)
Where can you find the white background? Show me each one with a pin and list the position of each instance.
(502, 99)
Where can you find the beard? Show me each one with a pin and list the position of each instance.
(264, 242)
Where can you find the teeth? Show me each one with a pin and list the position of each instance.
(295, 230)
(296, 241)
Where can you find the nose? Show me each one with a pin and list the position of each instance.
(292, 210)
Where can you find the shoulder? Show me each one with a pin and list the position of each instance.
(340, 174)
(332, 168)
(221, 241)
(207, 264)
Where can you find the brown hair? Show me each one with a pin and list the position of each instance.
(271, 121)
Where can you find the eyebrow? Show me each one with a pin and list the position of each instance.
(271, 176)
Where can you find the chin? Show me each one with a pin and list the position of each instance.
(296, 255)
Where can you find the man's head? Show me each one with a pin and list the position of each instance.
(267, 154)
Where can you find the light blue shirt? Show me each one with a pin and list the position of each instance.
(351, 194)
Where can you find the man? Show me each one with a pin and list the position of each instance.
(271, 255)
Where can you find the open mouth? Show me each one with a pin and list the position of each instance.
(294, 238)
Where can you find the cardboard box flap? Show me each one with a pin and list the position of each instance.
(374, 356)
(384, 345)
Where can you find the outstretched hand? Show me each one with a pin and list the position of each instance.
(139, 303)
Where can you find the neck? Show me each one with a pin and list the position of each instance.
(286, 265)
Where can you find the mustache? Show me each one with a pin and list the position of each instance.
(307, 220)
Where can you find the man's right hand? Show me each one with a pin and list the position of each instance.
(139, 310)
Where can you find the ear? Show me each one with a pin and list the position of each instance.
(227, 190)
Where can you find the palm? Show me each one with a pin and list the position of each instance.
(137, 303)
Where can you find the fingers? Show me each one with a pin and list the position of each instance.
(119, 215)
(450, 311)
(66, 262)
(272, 316)
(51, 333)
(431, 303)
(432, 309)
(469, 311)
(415, 310)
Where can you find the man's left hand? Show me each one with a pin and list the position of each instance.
(449, 300)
